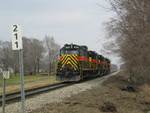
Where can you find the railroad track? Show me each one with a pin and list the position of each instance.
(14, 96)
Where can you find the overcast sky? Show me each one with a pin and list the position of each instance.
(68, 21)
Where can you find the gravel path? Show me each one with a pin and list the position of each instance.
(54, 96)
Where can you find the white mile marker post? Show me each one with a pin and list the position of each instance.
(17, 45)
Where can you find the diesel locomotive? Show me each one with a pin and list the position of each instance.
(77, 62)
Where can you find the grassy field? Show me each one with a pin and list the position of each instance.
(39, 81)
(16, 79)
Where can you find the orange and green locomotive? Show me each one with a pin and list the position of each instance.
(77, 62)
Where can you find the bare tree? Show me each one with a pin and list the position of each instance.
(52, 52)
(130, 28)
(6, 55)
(8, 58)
(33, 53)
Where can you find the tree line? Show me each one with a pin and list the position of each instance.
(38, 55)
(130, 29)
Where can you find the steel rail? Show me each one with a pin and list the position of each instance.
(14, 96)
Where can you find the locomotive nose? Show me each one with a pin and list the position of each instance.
(67, 70)
(68, 67)
(70, 61)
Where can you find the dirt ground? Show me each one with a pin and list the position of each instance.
(116, 95)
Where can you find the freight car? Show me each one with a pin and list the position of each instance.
(77, 62)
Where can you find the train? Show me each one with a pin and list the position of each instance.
(76, 62)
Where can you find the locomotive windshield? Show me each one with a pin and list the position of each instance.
(69, 51)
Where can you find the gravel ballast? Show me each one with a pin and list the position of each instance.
(54, 96)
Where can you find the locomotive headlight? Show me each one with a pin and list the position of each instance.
(60, 68)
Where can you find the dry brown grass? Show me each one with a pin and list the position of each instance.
(144, 93)
(145, 89)
(28, 85)
(93, 100)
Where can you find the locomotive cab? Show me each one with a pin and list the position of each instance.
(68, 65)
